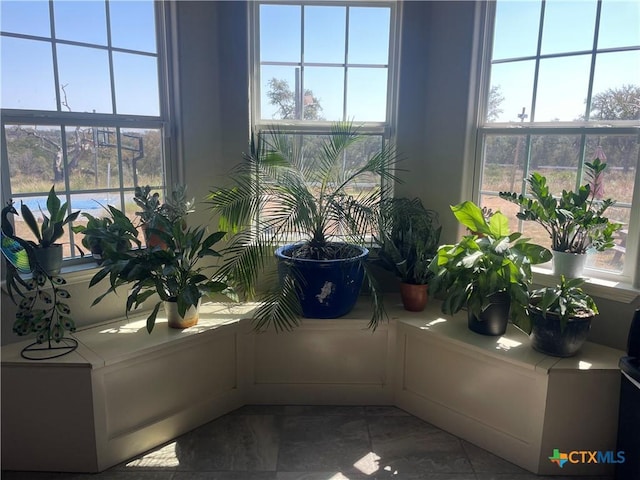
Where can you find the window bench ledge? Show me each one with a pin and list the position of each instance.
(123, 391)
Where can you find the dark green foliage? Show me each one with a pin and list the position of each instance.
(111, 233)
(566, 300)
(51, 228)
(172, 273)
(489, 261)
(409, 238)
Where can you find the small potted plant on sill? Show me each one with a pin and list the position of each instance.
(103, 235)
(47, 252)
(175, 207)
(409, 239)
(39, 294)
(175, 273)
(561, 317)
(488, 272)
(575, 221)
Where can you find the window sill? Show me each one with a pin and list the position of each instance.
(597, 287)
(74, 274)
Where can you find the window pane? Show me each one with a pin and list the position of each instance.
(27, 75)
(142, 157)
(511, 91)
(327, 85)
(556, 157)
(504, 160)
(516, 29)
(619, 22)
(369, 35)
(568, 26)
(562, 88)
(367, 94)
(34, 157)
(29, 18)
(324, 31)
(280, 33)
(277, 91)
(621, 156)
(133, 25)
(136, 83)
(616, 86)
(92, 158)
(81, 21)
(84, 74)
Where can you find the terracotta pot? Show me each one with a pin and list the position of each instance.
(414, 297)
(175, 320)
(152, 239)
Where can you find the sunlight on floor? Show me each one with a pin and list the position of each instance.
(368, 464)
(162, 458)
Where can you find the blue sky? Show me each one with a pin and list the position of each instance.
(27, 79)
(324, 42)
(568, 27)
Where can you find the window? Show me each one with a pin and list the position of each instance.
(314, 64)
(562, 80)
(81, 104)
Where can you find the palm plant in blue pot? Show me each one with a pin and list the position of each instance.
(306, 203)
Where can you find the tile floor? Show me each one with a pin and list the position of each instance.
(311, 443)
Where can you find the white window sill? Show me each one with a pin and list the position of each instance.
(609, 289)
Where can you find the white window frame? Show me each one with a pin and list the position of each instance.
(63, 119)
(386, 128)
(623, 286)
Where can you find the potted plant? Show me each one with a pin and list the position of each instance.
(48, 253)
(174, 273)
(175, 207)
(561, 317)
(102, 235)
(488, 272)
(409, 238)
(307, 206)
(40, 298)
(575, 221)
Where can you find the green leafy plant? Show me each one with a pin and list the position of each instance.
(175, 273)
(565, 300)
(575, 221)
(409, 238)
(175, 207)
(285, 192)
(103, 235)
(490, 261)
(51, 229)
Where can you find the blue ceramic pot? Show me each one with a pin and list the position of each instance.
(329, 288)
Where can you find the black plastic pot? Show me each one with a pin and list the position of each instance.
(547, 337)
(494, 318)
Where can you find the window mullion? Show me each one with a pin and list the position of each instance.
(592, 68)
(537, 62)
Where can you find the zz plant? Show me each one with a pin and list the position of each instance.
(575, 221)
